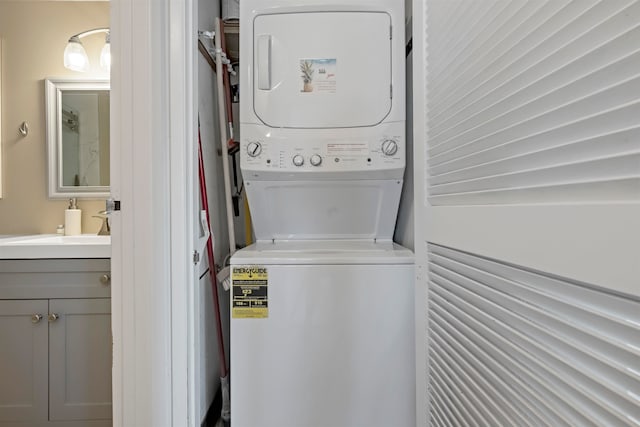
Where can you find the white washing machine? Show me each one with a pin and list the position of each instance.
(322, 307)
(336, 345)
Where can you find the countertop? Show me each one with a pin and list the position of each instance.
(52, 246)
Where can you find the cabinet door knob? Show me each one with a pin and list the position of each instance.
(53, 317)
(36, 318)
(105, 279)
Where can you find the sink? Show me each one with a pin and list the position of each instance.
(83, 239)
(55, 246)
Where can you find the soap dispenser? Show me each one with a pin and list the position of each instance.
(72, 219)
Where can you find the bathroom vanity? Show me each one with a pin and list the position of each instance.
(55, 332)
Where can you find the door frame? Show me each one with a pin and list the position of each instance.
(421, 216)
(153, 136)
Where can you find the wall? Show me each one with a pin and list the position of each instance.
(34, 35)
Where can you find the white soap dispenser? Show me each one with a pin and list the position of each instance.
(72, 219)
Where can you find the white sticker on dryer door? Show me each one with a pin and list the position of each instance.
(318, 75)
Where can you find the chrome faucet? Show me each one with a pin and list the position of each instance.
(105, 230)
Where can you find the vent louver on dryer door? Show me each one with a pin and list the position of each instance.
(322, 70)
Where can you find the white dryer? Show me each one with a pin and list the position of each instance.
(322, 305)
(322, 117)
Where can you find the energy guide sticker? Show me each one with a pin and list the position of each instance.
(250, 298)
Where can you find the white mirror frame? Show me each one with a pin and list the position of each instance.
(53, 102)
(1, 173)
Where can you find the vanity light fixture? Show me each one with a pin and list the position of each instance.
(75, 57)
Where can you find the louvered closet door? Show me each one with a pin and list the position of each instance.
(527, 146)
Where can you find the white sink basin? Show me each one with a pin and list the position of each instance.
(55, 246)
(46, 239)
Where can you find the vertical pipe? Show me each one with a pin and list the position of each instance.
(227, 87)
(223, 138)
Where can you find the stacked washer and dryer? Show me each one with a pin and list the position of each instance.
(322, 327)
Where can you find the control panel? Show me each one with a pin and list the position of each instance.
(323, 153)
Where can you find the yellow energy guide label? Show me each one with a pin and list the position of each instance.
(249, 287)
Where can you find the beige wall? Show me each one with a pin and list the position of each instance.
(34, 35)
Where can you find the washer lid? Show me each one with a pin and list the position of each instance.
(325, 252)
(322, 69)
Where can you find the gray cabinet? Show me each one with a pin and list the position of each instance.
(23, 360)
(55, 353)
(80, 359)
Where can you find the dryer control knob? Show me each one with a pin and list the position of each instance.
(315, 160)
(254, 148)
(389, 147)
(298, 160)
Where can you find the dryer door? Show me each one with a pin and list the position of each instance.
(322, 69)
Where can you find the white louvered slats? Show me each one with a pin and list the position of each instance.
(527, 172)
(514, 347)
(533, 102)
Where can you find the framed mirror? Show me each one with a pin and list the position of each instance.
(77, 115)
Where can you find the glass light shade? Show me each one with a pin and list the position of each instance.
(105, 57)
(75, 57)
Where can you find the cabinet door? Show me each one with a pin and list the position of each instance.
(80, 359)
(23, 360)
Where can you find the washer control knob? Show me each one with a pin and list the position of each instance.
(315, 160)
(389, 147)
(254, 148)
(298, 160)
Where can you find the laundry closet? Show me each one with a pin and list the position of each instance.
(321, 298)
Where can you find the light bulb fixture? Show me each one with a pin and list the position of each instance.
(75, 57)
(105, 54)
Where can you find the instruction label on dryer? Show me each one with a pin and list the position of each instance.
(250, 292)
(347, 149)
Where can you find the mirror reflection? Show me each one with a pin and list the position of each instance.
(78, 137)
(85, 138)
